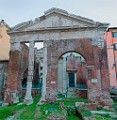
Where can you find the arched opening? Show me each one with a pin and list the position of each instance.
(72, 75)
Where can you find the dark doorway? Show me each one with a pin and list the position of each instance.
(71, 80)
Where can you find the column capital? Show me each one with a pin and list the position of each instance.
(31, 44)
(45, 44)
(15, 46)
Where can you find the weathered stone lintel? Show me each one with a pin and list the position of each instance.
(54, 35)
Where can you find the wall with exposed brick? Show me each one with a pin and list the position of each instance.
(62, 37)
(82, 93)
(77, 65)
(18, 63)
(96, 60)
(3, 76)
(13, 75)
(35, 92)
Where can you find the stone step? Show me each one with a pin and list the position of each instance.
(72, 89)
(112, 114)
(72, 93)
(71, 96)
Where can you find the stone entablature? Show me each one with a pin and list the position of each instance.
(43, 35)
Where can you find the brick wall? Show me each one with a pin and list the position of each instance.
(82, 93)
(18, 63)
(35, 92)
(13, 72)
(3, 76)
(91, 53)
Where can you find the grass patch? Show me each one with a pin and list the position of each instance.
(60, 96)
(42, 112)
(72, 117)
(10, 110)
(71, 101)
(29, 111)
(115, 106)
(49, 108)
(104, 117)
(53, 109)
(58, 112)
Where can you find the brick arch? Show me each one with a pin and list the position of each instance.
(98, 91)
(57, 48)
(79, 72)
(70, 52)
(81, 46)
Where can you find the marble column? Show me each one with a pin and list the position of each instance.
(43, 94)
(60, 76)
(64, 75)
(28, 98)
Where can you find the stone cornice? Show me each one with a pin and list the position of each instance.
(61, 29)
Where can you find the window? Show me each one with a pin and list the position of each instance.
(71, 80)
(115, 46)
(116, 75)
(41, 68)
(41, 74)
(1, 66)
(115, 34)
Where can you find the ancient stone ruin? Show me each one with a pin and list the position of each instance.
(74, 58)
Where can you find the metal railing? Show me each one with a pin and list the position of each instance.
(81, 86)
(34, 86)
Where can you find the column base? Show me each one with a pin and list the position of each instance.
(105, 99)
(100, 97)
(106, 102)
(43, 97)
(41, 101)
(28, 101)
(11, 97)
(102, 101)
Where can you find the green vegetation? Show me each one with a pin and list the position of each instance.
(71, 101)
(11, 110)
(72, 117)
(41, 112)
(104, 117)
(29, 111)
(49, 108)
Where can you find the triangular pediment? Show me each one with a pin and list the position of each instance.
(55, 18)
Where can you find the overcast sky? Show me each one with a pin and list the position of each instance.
(16, 11)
